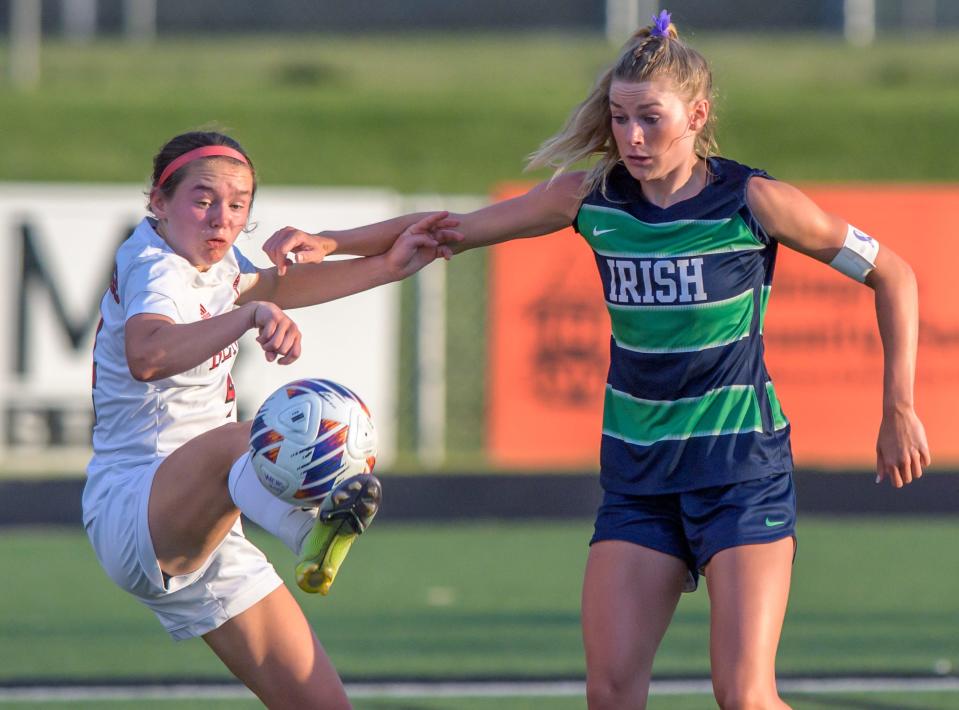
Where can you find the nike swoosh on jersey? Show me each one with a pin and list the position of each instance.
(597, 231)
(774, 523)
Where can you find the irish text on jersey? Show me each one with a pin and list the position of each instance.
(656, 280)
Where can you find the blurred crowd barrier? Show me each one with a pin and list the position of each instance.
(497, 358)
(550, 334)
(57, 260)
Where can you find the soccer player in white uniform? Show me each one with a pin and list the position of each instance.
(170, 472)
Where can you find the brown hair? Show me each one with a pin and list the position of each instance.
(644, 57)
(185, 142)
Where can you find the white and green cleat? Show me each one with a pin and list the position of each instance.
(344, 514)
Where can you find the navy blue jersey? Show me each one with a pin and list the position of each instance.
(688, 402)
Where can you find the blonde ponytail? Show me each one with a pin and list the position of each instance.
(653, 52)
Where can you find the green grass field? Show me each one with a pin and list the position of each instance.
(457, 113)
(846, 701)
(496, 600)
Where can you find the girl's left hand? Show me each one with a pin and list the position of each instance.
(423, 242)
(901, 450)
(306, 248)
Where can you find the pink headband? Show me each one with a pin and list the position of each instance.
(207, 151)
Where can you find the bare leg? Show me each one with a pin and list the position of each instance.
(629, 596)
(748, 591)
(271, 648)
(190, 508)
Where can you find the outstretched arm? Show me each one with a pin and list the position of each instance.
(548, 207)
(797, 222)
(372, 239)
(308, 284)
(369, 240)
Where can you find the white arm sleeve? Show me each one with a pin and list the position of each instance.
(151, 286)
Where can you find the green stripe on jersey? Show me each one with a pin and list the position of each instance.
(779, 419)
(682, 328)
(725, 410)
(612, 232)
(763, 305)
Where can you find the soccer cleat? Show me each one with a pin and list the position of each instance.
(344, 514)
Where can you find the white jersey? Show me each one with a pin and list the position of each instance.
(139, 422)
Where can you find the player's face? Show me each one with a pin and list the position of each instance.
(654, 127)
(207, 211)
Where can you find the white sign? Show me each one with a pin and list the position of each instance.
(56, 253)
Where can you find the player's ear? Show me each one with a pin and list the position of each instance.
(698, 114)
(158, 203)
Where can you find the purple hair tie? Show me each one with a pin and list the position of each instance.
(661, 24)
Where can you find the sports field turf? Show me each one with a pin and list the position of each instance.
(831, 701)
(495, 601)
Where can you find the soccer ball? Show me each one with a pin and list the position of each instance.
(307, 437)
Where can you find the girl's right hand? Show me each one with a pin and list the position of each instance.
(421, 243)
(278, 335)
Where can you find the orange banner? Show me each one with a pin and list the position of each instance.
(549, 339)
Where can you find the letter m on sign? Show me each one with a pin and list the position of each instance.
(35, 278)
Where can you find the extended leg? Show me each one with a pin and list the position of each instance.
(271, 648)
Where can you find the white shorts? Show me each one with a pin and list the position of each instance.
(234, 578)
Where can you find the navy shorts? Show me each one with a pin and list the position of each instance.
(695, 525)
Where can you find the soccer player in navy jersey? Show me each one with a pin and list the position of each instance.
(696, 465)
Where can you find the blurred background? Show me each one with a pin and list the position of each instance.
(486, 394)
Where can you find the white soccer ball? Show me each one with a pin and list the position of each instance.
(308, 436)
